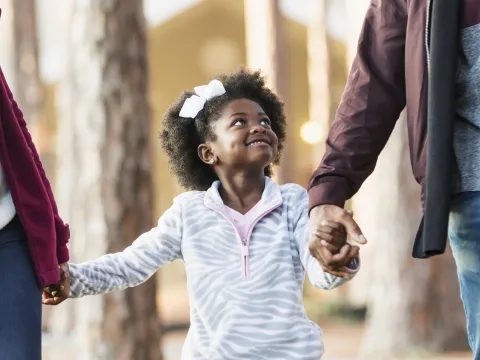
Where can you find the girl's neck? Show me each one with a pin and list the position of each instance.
(241, 192)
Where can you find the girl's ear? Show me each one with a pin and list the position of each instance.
(205, 153)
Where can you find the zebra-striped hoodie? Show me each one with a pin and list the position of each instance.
(245, 294)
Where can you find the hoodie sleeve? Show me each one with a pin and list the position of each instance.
(134, 265)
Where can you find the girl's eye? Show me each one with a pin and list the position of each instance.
(238, 122)
(266, 122)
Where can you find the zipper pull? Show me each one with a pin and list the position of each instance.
(245, 254)
(244, 248)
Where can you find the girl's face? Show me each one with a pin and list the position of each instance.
(244, 139)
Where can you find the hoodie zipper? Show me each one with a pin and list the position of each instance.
(245, 262)
(246, 242)
(245, 245)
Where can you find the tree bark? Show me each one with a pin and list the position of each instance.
(359, 289)
(320, 85)
(265, 41)
(389, 208)
(30, 92)
(127, 174)
(29, 88)
(412, 304)
(319, 75)
(7, 61)
(106, 188)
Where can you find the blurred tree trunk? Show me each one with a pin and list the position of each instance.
(412, 304)
(30, 90)
(364, 209)
(127, 173)
(105, 180)
(319, 75)
(319, 81)
(265, 39)
(7, 61)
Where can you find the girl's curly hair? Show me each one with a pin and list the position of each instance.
(180, 136)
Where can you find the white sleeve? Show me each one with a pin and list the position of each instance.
(134, 265)
(317, 276)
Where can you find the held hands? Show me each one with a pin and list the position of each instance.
(57, 293)
(330, 225)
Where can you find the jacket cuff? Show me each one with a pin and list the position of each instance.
(49, 278)
(327, 193)
(62, 254)
(63, 235)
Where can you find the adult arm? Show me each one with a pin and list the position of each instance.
(370, 106)
(62, 230)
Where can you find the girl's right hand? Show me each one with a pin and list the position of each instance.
(332, 235)
(328, 244)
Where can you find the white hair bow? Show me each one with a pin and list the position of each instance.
(192, 106)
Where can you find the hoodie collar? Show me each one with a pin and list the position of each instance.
(271, 196)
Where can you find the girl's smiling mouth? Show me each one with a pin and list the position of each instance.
(259, 141)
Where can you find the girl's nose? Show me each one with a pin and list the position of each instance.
(257, 129)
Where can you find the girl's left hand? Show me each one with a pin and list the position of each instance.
(57, 293)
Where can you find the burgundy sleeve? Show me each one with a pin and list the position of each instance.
(62, 230)
(372, 101)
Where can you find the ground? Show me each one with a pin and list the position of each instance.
(342, 342)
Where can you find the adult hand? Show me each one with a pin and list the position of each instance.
(327, 222)
(324, 256)
(57, 293)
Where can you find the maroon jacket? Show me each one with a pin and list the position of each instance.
(407, 55)
(31, 192)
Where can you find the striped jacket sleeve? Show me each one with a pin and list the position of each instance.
(317, 276)
(134, 265)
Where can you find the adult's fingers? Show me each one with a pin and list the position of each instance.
(54, 300)
(330, 214)
(50, 291)
(46, 295)
(352, 228)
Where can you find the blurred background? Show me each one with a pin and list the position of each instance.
(94, 77)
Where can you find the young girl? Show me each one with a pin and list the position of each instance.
(243, 238)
